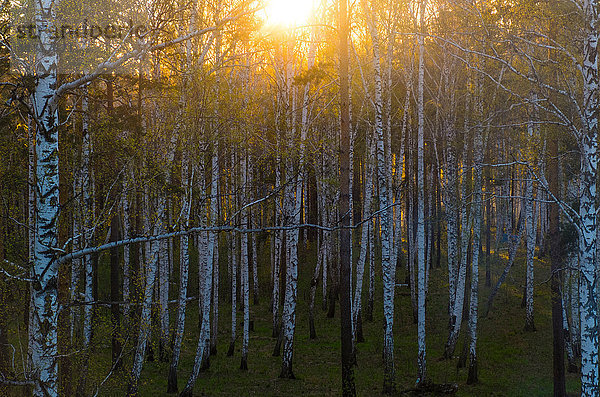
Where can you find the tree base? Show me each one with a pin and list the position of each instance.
(331, 311)
(529, 327)
(186, 393)
(205, 365)
(244, 364)
(389, 387)
(231, 349)
(360, 338)
(472, 377)
(447, 355)
(287, 373)
(162, 352)
(311, 324)
(172, 381)
(277, 348)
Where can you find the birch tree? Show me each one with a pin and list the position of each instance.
(421, 283)
(45, 266)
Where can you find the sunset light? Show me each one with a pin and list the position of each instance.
(284, 13)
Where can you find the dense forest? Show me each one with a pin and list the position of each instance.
(321, 197)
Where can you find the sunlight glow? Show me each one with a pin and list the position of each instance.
(287, 13)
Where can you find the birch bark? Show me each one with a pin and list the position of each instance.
(205, 293)
(151, 265)
(421, 273)
(187, 182)
(389, 269)
(476, 215)
(45, 266)
(588, 146)
(244, 271)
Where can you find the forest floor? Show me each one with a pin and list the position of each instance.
(511, 362)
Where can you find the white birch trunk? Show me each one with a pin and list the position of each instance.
(214, 213)
(233, 274)
(531, 225)
(531, 231)
(575, 308)
(87, 197)
(291, 284)
(204, 289)
(244, 271)
(126, 254)
(76, 269)
(421, 254)
(364, 239)
(389, 269)
(277, 242)
(43, 327)
(255, 290)
(151, 266)
(184, 265)
(371, 242)
(588, 146)
(31, 223)
(459, 277)
(477, 215)
(293, 208)
(163, 280)
(326, 235)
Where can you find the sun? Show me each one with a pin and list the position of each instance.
(286, 13)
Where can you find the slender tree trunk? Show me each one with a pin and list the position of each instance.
(291, 284)
(313, 291)
(558, 336)
(214, 214)
(163, 285)
(88, 214)
(364, 239)
(126, 248)
(45, 267)
(457, 305)
(184, 265)
(145, 317)
(530, 227)
(205, 292)
(277, 241)
(31, 223)
(114, 294)
(588, 144)
(371, 297)
(572, 366)
(255, 290)
(244, 271)
(348, 388)
(78, 212)
(233, 262)
(476, 248)
(421, 273)
(389, 269)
